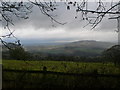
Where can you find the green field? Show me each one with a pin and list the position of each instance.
(62, 66)
(0, 61)
(53, 81)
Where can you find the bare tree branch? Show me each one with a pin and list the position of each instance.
(9, 10)
(46, 7)
(100, 11)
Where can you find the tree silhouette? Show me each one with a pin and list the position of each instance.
(113, 54)
(17, 52)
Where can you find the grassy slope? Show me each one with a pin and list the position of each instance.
(74, 48)
(62, 66)
(0, 61)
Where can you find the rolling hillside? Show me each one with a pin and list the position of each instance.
(81, 48)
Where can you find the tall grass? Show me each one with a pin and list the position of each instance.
(62, 66)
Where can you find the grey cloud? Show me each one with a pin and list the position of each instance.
(37, 20)
(108, 25)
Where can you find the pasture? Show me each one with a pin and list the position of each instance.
(45, 80)
(62, 66)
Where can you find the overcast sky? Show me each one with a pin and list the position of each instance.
(39, 28)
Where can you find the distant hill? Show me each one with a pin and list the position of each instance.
(81, 48)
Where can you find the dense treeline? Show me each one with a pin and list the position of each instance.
(66, 58)
(18, 53)
(41, 56)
